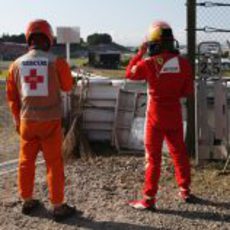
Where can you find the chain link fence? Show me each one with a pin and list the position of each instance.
(213, 19)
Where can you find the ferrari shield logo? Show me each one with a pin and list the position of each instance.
(160, 60)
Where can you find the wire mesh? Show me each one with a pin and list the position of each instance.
(213, 21)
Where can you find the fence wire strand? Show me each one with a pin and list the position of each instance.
(213, 21)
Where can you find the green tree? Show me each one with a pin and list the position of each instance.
(13, 38)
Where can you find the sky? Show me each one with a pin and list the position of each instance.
(126, 20)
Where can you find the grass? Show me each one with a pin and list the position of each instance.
(3, 74)
(211, 171)
(4, 66)
(226, 73)
(79, 62)
(82, 63)
(110, 73)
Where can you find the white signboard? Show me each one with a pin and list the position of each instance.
(67, 35)
(209, 65)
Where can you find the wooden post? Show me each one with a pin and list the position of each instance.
(191, 54)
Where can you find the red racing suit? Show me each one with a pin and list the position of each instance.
(169, 78)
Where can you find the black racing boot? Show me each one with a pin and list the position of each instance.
(63, 212)
(29, 206)
(187, 197)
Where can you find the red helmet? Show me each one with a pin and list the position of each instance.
(40, 26)
(160, 31)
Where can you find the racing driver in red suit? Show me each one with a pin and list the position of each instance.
(169, 77)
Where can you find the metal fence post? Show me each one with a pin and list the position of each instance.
(191, 47)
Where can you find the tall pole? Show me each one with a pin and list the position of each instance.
(191, 47)
(67, 98)
(68, 53)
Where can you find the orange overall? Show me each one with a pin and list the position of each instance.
(34, 89)
(169, 78)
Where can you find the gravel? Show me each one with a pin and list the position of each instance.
(100, 189)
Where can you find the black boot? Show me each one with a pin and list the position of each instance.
(29, 206)
(63, 212)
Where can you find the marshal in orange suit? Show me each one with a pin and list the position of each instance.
(34, 89)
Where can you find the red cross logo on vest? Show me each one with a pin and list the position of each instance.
(33, 79)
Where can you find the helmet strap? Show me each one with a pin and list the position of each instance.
(171, 46)
(154, 49)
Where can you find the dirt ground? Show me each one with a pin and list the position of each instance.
(100, 189)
